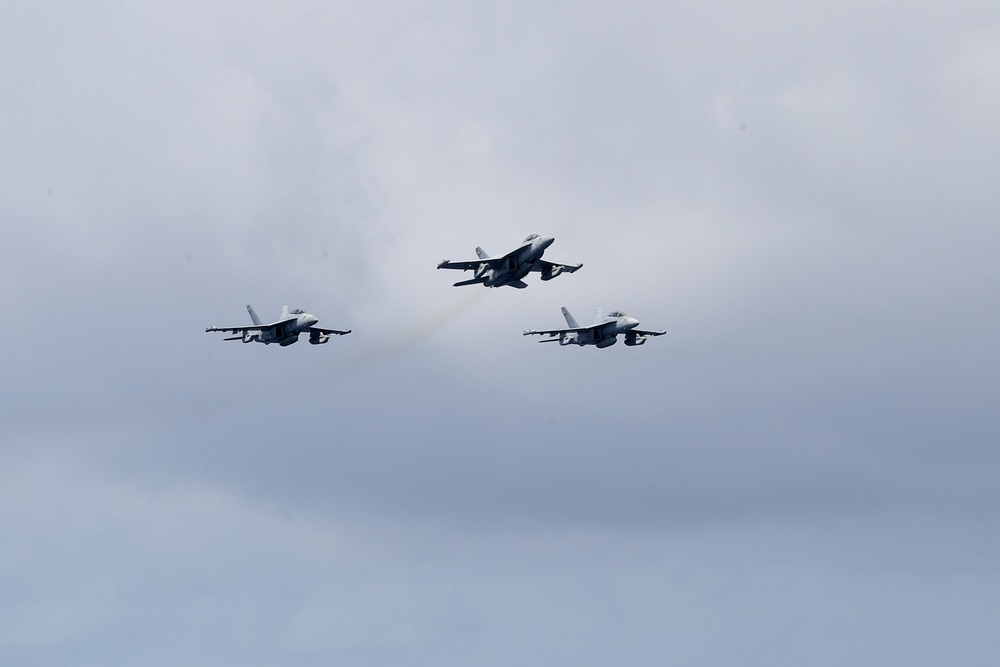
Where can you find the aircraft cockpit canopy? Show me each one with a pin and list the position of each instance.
(296, 311)
(531, 237)
(617, 313)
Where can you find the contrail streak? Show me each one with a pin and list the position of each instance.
(405, 336)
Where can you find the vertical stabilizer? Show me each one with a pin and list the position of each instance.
(598, 315)
(284, 313)
(253, 315)
(482, 253)
(570, 320)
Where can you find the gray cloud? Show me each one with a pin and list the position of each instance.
(800, 471)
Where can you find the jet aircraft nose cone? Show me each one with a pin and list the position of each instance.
(546, 241)
(631, 322)
(311, 320)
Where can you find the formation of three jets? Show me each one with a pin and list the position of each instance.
(507, 269)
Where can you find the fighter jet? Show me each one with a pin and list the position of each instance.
(602, 333)
(510, 268)
(284, 332)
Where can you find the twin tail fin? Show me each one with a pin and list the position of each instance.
(253, 315)
(570, 320)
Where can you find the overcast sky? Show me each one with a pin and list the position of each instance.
(803, 471)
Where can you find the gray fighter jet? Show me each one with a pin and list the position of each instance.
(602, 333)
(284, 332)
(510, 268)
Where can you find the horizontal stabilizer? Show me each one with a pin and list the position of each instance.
(471, 281)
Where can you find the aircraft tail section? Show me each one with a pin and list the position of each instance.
(253, 315)
(570, 320)
(598, 315)
(284, 313)
(482, 253)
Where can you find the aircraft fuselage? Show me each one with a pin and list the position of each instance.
(282, 333)
(516, 265)
(604, 335)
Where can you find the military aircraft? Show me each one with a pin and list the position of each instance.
(602, 333)
(510, 268)
(284, 332)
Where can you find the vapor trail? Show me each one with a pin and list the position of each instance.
(405, 336)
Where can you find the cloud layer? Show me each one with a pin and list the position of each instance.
(802, 471)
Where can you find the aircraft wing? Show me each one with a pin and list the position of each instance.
(559, 332)
(461, 266)
(547, 267)
(239, 331)
(593, 327)
(550, 332)
(236, 330)
(329, 332)
(260, 328)
(493, 262)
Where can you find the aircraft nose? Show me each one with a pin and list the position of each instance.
(631, 322)
(546, 241)
(311, 320)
